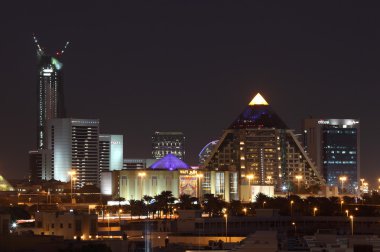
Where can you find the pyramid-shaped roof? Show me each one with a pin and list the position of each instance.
(5, 185)
(258, 114)
(169, 162)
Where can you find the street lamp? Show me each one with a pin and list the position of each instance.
(298, 178)
(295, 227)
(141, 175)
(245, 210)
(346, 212)
(264, 204)
(199, 176)
(341, 206)
(314, 211)
(226, 216)
(72, 174)
(291, 207)
(342, 180)
(352, 224)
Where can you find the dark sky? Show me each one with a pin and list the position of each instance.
(191, 66)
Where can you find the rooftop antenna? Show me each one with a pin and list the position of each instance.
(38, 45)
(64, 48)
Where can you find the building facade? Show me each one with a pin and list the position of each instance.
(110, 152)
(70, 225)
(164, 143)
(334, 145)
(74, 144)
(39, 165)
(206, 152)
(259, 149)
(138, 163)
(170, 174)
(50, 92)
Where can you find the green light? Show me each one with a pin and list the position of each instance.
(58, 65)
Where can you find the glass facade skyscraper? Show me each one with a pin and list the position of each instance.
(334, 144)
(49, 92)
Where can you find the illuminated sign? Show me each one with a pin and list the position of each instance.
(188, 185)
(188, 172)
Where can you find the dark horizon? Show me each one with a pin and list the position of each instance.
(191, 67)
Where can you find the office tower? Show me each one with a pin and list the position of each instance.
(334, 145)
(110, 152)
(164, 143)
(49, 91)
(39, 165)
(75, 146)
(259, 149)
(206, 151)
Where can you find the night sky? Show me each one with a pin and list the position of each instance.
(190, 66)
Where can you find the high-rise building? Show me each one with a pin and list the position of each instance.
(164, 143)
(39, 165)
(49, 91)
(334, 145)
(259, 149)
(110, 152)
(74, 144)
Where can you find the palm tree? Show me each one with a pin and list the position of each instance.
(187, 202)
(148, 201)
(164, 201)
(213, 205)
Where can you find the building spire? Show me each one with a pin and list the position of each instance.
(258, 100)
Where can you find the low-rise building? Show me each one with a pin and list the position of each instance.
(70, 225)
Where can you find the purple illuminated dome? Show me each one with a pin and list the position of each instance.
(169, 162)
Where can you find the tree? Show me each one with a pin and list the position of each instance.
(148, 202)
(235, 208)
(213, 205)
(164, 201)
(187, 202)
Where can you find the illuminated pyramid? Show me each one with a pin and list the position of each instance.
(4, 185)
(258, 114)
(258, 144)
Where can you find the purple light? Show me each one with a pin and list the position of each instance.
(170, 162)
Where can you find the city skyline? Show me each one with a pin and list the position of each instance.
(183, 84)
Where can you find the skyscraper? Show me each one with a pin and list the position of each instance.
(110, 152)
(49, 91)
(164, 143)
(259, 149)
(334, 145)
(74, 144)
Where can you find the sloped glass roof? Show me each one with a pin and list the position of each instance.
(258, 115)
(4, 185)
(169, 162)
